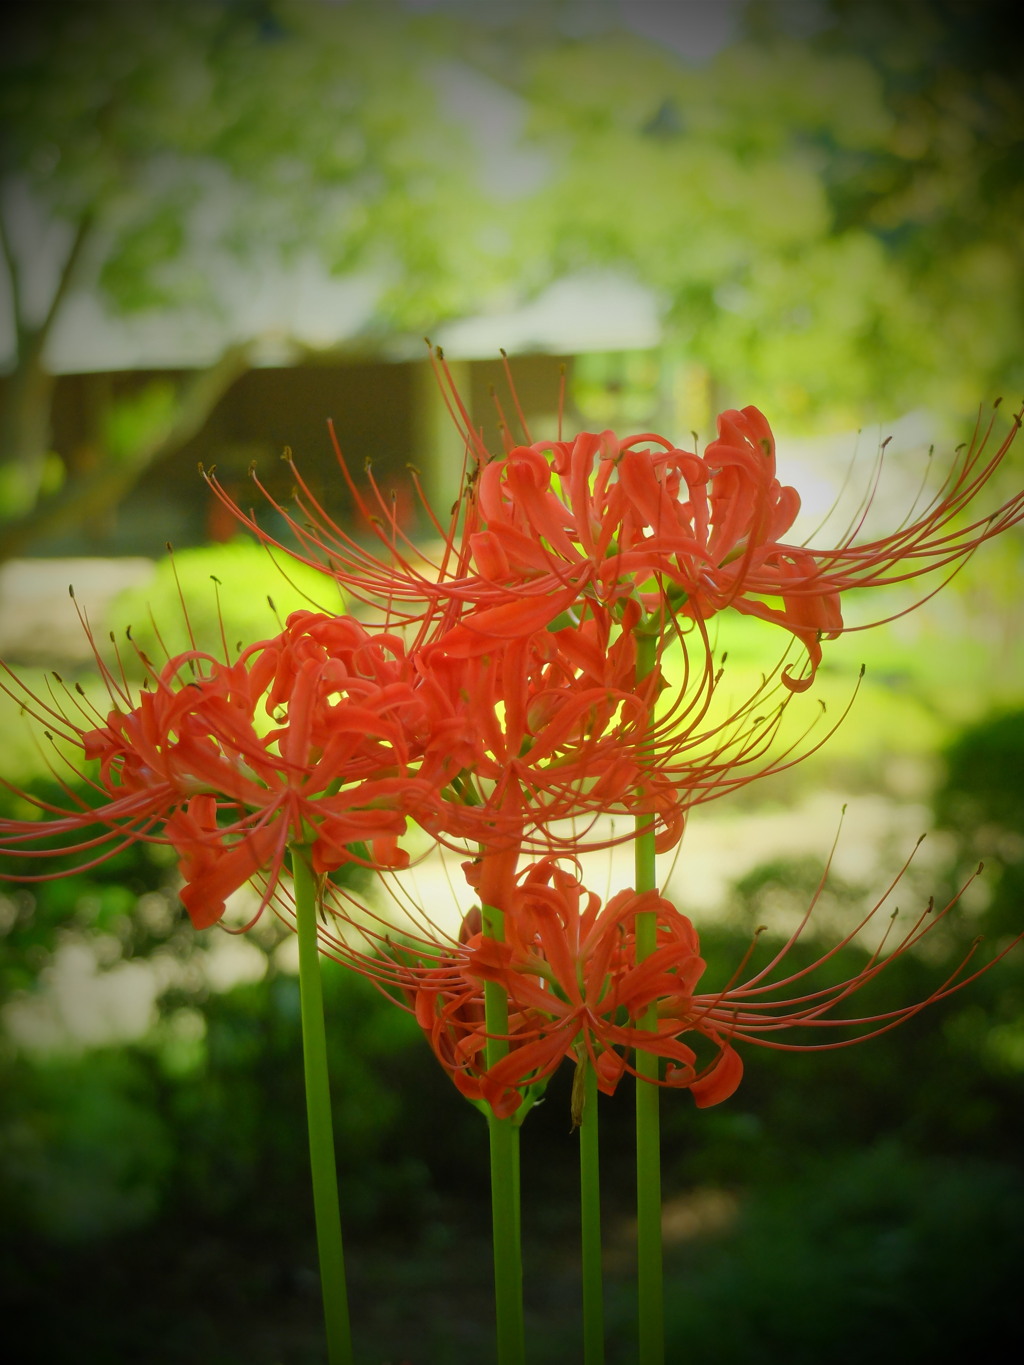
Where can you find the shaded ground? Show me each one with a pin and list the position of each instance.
(871, 1258)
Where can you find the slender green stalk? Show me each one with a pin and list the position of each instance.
(318, 1112)
(590, 1215)
(650, 1275)
(508, 1266)
(504, 1146)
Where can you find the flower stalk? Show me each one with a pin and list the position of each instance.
(318, 1111)
(503, 1135)
(650, 1272)
(508, 1263)
(586, 1116)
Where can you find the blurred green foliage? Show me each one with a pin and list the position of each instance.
(293, 128)
(828, 208)
(878, 1255)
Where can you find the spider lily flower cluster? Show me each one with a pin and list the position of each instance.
(578, 989)
(514, 693)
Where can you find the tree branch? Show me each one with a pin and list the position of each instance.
(35, 338)
(13, 275)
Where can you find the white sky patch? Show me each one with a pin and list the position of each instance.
(695, 29)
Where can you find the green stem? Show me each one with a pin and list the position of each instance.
(590, 1218)
(318, 1113)
(508, 1266)
(504, 1146)
(650, 1274)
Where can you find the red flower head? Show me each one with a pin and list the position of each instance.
(559, 727)
(549, 527)
(576, 990)
(314, 736)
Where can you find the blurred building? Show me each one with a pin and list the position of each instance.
(385, 407)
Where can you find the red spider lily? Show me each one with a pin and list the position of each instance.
(576, 991)
(551, 721)
(314, 736)
(564, 720)
(548, 525)
(639, 517)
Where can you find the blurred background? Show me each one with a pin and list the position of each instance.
(224, 223)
